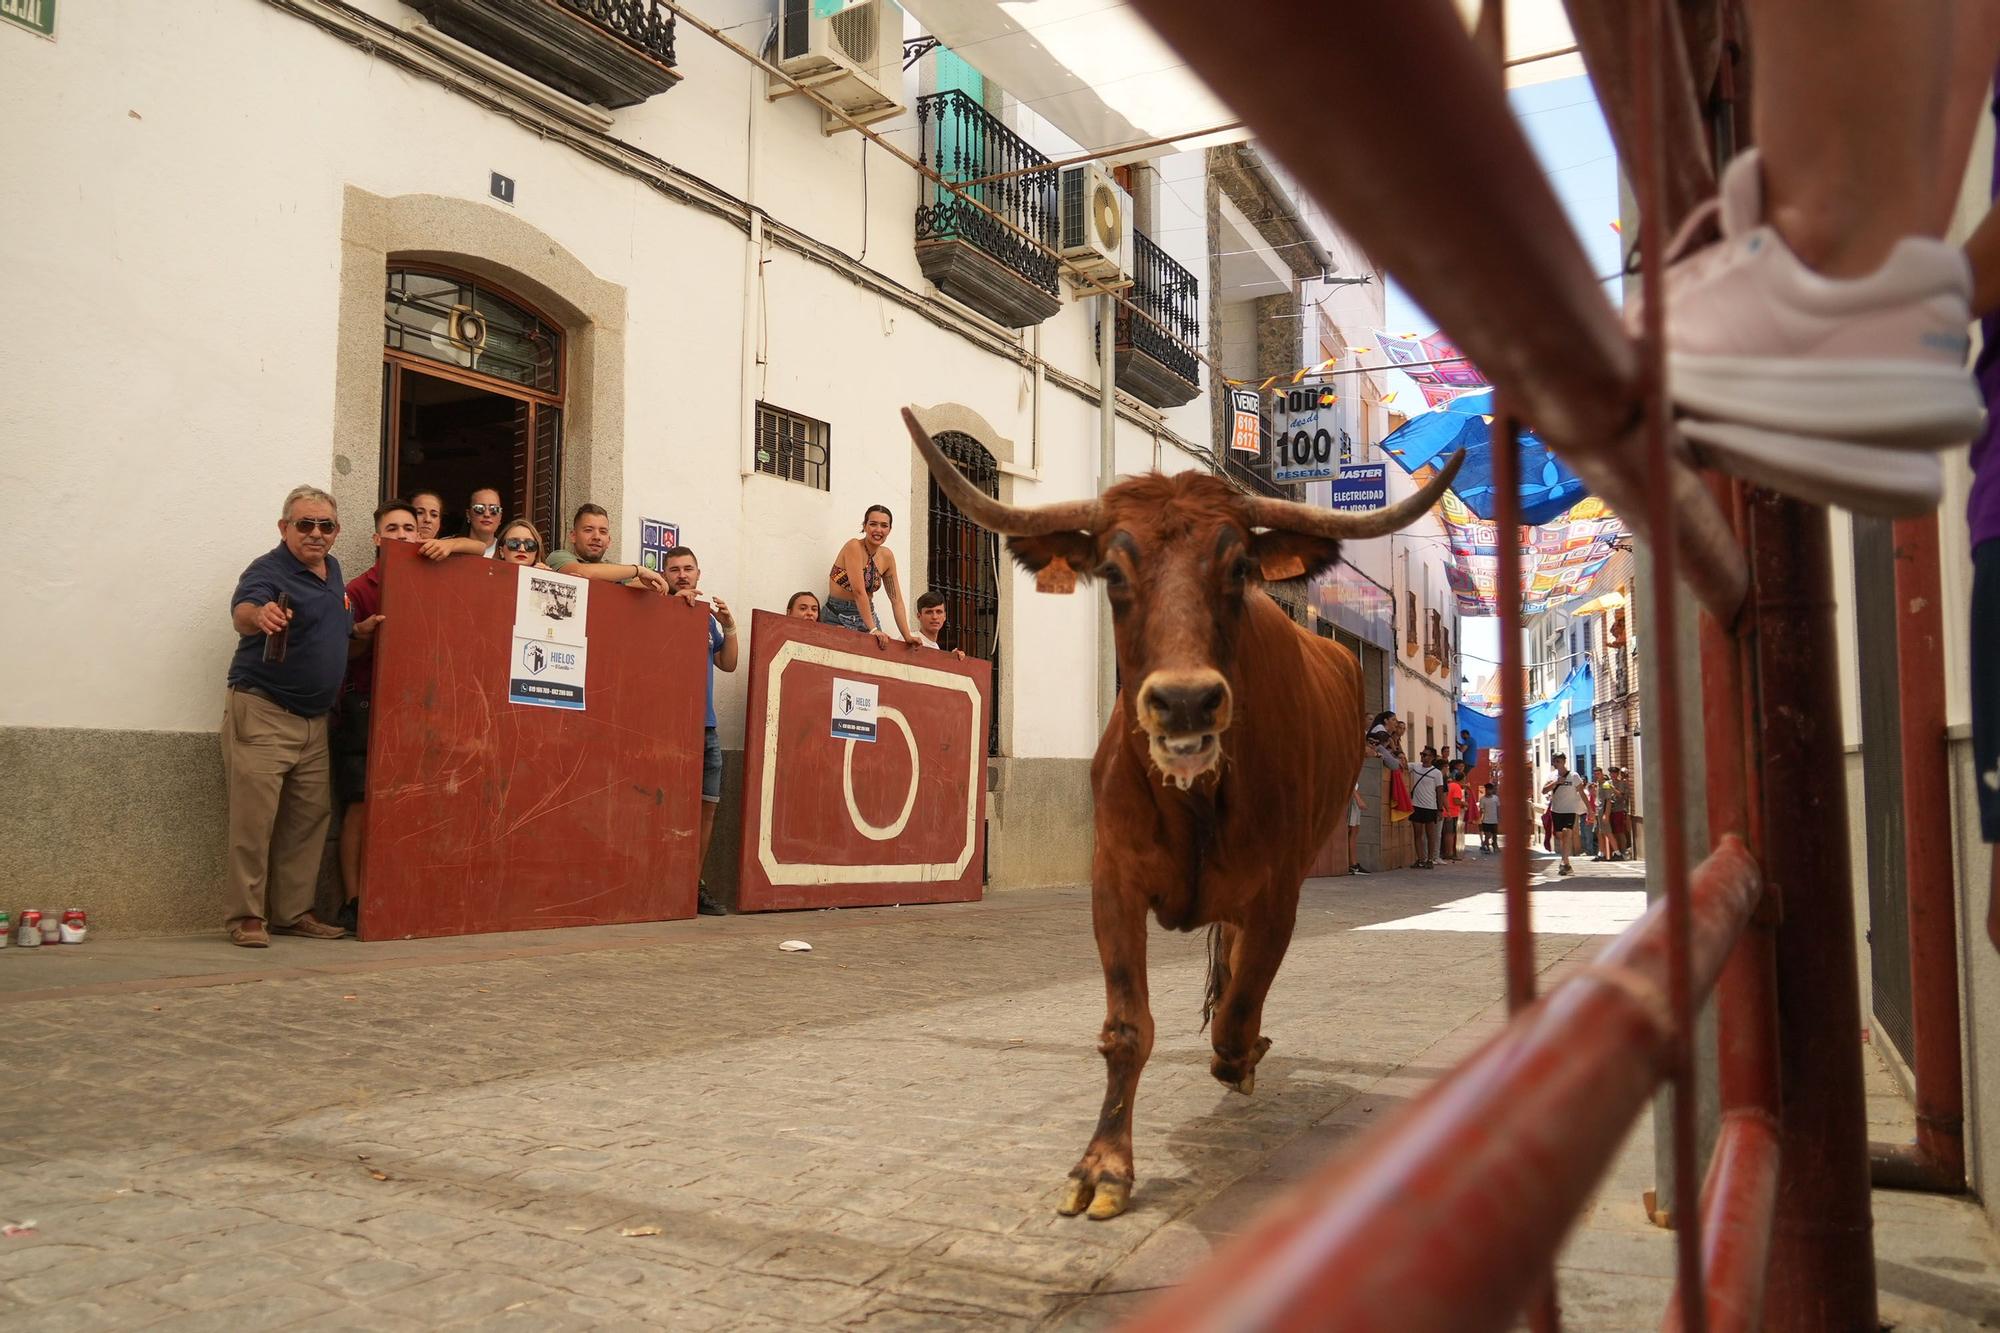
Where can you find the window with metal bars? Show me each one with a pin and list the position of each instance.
(472, 396)
(964, 567)
(794, 447)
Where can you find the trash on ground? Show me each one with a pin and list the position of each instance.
(796, 946)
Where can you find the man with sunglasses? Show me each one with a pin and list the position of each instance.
(394, 522)
(294, 632)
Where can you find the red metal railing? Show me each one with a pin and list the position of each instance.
(1447, 1217)
(1450, 1215)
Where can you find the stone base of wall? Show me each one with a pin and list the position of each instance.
(127, 825)
(1039, 821)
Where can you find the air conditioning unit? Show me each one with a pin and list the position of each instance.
(1096, 214)
(853, 58)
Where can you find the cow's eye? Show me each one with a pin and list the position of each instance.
(1110, 575)
(1243, 569)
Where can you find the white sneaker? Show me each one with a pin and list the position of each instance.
(1892, 483)
(1755, 338)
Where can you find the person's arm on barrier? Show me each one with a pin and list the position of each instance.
(892, 583)
(604, 571)
(437, 548)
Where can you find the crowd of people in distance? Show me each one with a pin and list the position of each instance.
(1440, 799)
(301, 681)
(1578, 814)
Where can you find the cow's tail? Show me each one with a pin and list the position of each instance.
(1218, 973)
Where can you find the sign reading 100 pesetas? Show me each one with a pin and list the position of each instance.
(1306, 446)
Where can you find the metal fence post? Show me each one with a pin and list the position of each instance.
(1822, 1247)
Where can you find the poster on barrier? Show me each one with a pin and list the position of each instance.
(547, 675)
(854, 709)
(549, 606)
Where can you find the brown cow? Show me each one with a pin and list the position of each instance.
(1235, 746)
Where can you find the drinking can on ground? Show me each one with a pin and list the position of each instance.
(51, 927)
(6, 930)
(29, 934)
(74, 925)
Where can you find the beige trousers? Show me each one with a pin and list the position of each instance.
(280, 806)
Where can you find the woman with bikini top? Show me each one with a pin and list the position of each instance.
(865, 562)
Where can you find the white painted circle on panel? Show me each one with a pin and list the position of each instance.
(882, 832)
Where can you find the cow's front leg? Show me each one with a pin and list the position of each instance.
(1238, 1021)
(1102, 1180)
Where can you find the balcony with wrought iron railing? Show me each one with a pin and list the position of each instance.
(1009, 275)
(615, 53)
(1156, 359)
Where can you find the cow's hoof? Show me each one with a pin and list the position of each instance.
(1239, 1075)
(1077, 1197)
(1112, 1198)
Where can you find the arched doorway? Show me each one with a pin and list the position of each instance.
(472, 396)
(964, 566)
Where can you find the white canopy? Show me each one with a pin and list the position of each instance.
(1097, 72)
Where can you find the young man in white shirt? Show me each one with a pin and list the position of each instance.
(930, 623)
(1426, 781)
(1565, 793)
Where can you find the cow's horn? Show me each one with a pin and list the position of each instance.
(1313, 521)
(989, 513)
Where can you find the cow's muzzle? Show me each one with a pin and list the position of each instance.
(1184, 714)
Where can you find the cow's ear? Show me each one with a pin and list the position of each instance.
(1054, 558)
(1291, 555)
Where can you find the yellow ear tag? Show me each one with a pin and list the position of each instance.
(1056, 576)
(1277, 567)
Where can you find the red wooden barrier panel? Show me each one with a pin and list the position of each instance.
(843, 821)
(484, 814)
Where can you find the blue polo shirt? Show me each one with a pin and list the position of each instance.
(308, 680)
(714, 647)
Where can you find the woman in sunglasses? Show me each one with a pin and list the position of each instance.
(482, 523)
(519, 543)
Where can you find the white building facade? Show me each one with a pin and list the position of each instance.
(366, 246)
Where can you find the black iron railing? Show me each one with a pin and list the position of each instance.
(962, 141)
(1169, 296)
(965, 569)
(640, 23)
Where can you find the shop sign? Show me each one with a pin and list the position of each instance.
(1304, 448)
(37, 16)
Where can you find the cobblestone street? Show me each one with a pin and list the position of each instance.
(681, 1126)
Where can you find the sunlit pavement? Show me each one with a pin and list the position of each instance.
(680, 1126)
